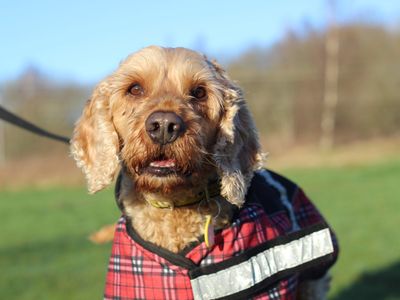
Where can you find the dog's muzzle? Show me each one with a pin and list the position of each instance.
(164, 127)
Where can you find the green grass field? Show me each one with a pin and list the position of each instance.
(45, 253)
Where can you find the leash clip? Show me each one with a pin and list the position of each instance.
(209, 231)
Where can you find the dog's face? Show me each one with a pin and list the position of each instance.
(173, 119)
(166, 113)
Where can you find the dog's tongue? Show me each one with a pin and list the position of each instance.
(168, 163)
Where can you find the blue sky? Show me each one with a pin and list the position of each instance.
(85, 40)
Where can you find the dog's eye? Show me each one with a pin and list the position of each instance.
(136, 89)
(199, 93)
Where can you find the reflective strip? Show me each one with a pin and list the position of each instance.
(284, 198)
(262, 266)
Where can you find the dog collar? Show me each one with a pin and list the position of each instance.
(213, 189)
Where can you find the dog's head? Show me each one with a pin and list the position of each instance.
(173, 119)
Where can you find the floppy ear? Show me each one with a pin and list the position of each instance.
(95, 144)
(237, 151)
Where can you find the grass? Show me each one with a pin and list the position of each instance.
(362, 205)
(45, 253)
(44, 250)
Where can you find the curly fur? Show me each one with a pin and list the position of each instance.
(220, 141)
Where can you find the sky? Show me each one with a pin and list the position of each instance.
(83, 41)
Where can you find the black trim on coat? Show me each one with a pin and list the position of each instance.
(172, 257)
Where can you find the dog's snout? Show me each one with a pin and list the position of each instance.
(164, 127)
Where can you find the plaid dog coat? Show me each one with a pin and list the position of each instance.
(276, 240)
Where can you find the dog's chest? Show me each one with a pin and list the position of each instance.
(167, 229)
(171, 229)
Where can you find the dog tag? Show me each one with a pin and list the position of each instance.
(209, 232)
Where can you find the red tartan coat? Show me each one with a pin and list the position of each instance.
(276, 214)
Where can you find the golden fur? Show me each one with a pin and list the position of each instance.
(220, 141)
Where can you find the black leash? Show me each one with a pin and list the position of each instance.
(17, 121)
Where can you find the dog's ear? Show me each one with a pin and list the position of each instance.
(95, 143)
(237, 151)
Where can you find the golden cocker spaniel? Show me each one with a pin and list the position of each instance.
(178, 130)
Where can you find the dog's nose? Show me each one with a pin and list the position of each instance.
(164, 127)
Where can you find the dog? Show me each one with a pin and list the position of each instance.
(201, 218)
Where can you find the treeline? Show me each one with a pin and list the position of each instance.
(284, 84)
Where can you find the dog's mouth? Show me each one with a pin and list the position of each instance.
(162, 167)
(166, 165)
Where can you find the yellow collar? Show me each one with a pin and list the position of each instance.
(213, 189)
